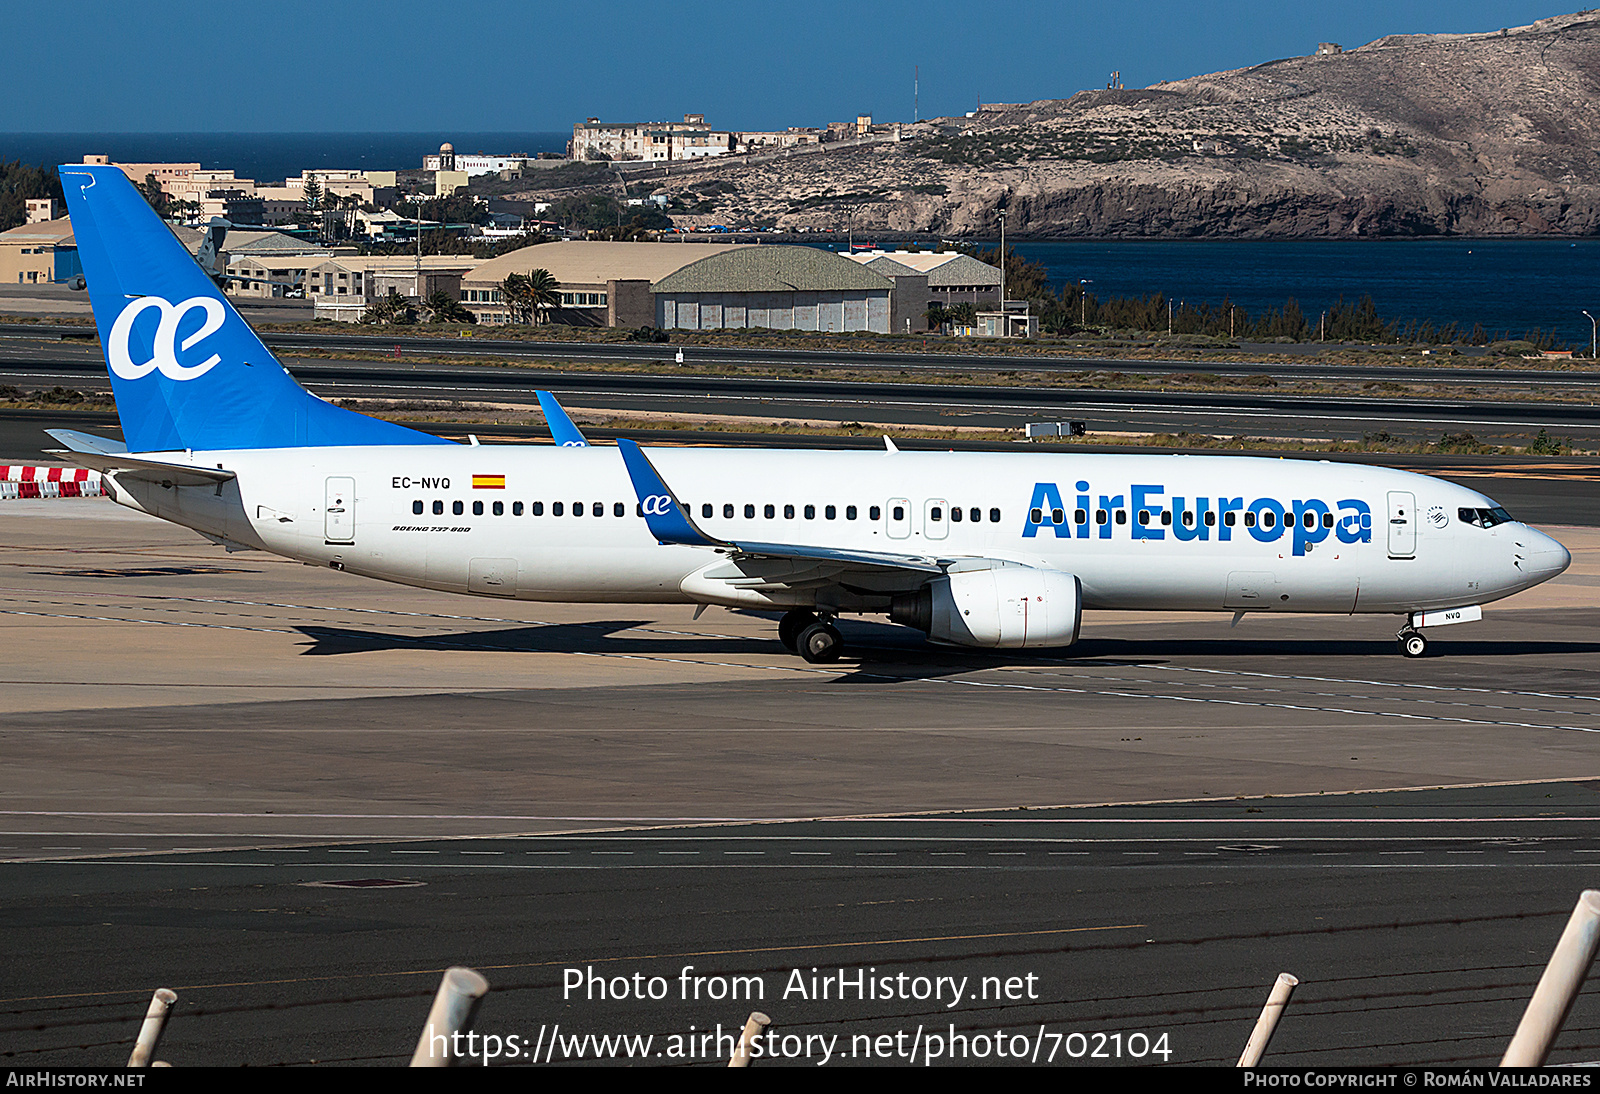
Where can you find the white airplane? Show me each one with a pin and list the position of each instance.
(996, 550)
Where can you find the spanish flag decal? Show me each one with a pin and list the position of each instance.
(488, 482)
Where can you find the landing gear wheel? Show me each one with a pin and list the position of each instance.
(790, 626)
(820, 642)
(1412, 644)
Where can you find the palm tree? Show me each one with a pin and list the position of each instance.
(393, 308)
(543, 292)
(447, 309)
(518, 297)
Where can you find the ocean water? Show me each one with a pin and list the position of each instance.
(1507, 285)
(268, 157)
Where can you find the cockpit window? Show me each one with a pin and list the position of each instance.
(1483, 518)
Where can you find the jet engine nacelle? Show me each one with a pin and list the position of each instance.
(1004, 607)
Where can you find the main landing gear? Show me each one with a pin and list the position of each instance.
(811, 636)
(1412, 644)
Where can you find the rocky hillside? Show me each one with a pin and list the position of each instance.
(1492, 134)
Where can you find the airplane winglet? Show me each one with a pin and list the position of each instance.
(665, 516)
(565, 433)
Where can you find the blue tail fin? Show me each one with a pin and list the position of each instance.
(562, 430)
(186, 370)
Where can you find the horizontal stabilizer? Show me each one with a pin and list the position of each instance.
(177, 474)
(87, 442)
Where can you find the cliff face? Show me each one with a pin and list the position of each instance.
(1478, 134)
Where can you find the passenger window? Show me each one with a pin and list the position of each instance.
(955, 513)
(1035, 516)
(556, 509)
(727, 509)
(1327, 520)
(899, 512)
(1122, 516)
(769, 512)
(1057, 516)
(994, 516)
(499, 508)
(749, 512)
(705, 510)
(1269, 519)
(1249, 520)
(1188, 520)
(1080, 516)
(1211, 519)
(849, 512)
(1166, 517)
(416, 507)
(811, 512)
(598, 508)
(976, 514)
(1144, 517)
(457, 508)
(619, 510)
(831, 512)
(875, 513)
(1102, 517)
(577, 508)
(516, 508)
(788, 512)
(1230, 519)
(477, 508)
(438, 508)
(538, 508)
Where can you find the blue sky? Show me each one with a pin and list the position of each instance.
(496, 65)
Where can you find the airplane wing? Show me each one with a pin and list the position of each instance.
(669, 521)
(565, 433)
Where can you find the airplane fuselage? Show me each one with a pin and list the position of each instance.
(1206, 533)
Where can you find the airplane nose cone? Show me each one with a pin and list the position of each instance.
(1541, 556)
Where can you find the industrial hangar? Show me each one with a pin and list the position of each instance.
(706, 286)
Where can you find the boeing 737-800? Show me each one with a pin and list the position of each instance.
(998, 550)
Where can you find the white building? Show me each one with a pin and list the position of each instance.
(473, 163)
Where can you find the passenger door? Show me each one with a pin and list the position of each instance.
(339, 510)
(935, 518)
(1402, 524)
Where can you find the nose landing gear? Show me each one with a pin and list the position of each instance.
(1412, 643)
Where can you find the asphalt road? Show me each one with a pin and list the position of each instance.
(1417, 924)
(902, 403)
(1466, 367)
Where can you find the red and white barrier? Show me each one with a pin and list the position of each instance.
(24, 481)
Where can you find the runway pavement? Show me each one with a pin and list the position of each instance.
(197, 743)
(903, 401)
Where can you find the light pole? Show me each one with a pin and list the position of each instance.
(1594, 341)
(1001, 213)
(1083, 300)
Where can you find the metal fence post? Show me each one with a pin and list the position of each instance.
(1558, 987)
(454, 1007)
(1267, 1024)
(155, 1021)
(753, 1027)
